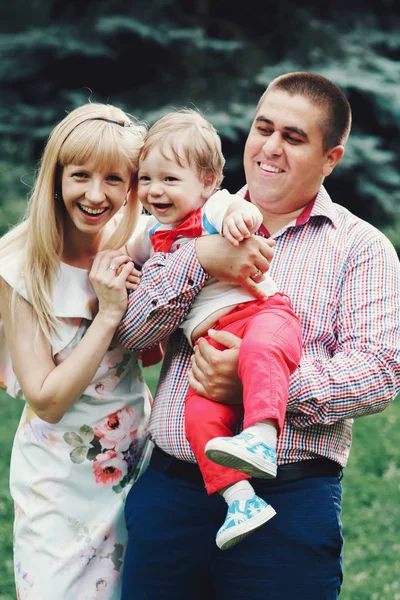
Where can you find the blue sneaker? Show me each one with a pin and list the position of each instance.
(243, 517)
(245, 453)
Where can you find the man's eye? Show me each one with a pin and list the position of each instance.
(293, 140)
(264, 130)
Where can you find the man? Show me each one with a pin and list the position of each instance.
(343, 278)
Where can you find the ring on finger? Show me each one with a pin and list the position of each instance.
(257, 273)
(112, 267)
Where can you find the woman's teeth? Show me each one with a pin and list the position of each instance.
(92, 211)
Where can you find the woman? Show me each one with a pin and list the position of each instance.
(78, 446)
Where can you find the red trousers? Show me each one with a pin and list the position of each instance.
(270, 351)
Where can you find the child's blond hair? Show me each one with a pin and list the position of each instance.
(191, 139)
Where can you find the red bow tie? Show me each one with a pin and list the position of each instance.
(190, 227)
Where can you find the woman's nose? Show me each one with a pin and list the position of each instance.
(95, 192)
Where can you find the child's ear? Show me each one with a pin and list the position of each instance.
(210, 184)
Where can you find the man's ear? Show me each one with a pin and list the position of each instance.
(333, 156)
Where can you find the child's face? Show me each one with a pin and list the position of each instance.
(167, 190)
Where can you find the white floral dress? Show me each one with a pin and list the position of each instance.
(69, 480)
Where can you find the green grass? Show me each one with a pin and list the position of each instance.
(371, 504)
(371, 509)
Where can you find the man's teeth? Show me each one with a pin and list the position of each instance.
(270, 169)
(92, 211)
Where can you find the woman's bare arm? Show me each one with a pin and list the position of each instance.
(51, 389)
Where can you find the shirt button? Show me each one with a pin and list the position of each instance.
(154, 302)
(178, 246)
(190, 281)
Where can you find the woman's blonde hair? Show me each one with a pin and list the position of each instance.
(191, 139)
(108, 137)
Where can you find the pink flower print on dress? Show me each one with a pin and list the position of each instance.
(105, 386)
(119, 429)
(115, 356)
(109, 468)
(100, 581)
(107, 545)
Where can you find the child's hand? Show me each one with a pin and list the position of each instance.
(133, 280)
(241, 223)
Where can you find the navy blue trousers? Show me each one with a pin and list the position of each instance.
(172, 554)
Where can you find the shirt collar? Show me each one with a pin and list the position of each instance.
(320, 206)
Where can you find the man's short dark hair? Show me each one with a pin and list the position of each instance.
(323, 93)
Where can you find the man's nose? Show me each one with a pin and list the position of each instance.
(273, 145)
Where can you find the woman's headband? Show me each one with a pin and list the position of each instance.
(121, 123)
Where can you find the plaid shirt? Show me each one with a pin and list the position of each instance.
(343, 277)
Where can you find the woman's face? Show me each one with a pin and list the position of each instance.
(93, 195)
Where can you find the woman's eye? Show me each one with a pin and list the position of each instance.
(79, 175)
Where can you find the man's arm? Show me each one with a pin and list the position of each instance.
(168, 286)
(170, 282)
(363, 375)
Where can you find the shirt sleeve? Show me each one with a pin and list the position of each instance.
(168, 286)
(139, 245)
(216, 207)
(363, 374)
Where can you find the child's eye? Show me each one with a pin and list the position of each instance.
(144, 178)
(170, 178)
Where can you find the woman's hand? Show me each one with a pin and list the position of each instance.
(109, 275)
(242, 266)
(214, 373)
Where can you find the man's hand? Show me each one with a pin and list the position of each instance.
(241, 221)
(242, 266)
(214, 373)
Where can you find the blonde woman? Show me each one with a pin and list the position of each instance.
(78, 446)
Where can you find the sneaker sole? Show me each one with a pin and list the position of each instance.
(224, 541)
(256, 468)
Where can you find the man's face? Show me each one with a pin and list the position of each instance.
(284, 160)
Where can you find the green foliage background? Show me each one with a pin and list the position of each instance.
(148, 57)
(151, 56)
